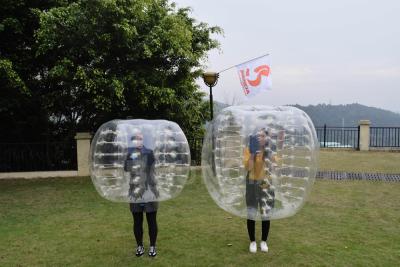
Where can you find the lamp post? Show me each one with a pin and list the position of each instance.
(211, 79)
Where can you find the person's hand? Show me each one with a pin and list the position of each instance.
(264, 186)
(155, 192)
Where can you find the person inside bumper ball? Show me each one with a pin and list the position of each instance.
(143, 192)
(260, 196)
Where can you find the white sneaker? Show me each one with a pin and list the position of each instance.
(253, 247)
(264, 246)
(152, 251)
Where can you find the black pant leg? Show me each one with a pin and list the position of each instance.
(138, 227)
(265, 230)
(251, 229)
(152, 224)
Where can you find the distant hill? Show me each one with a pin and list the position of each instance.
(218, 106)
(332, 115)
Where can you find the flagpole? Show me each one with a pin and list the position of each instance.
(243, 63)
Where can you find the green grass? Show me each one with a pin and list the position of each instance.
(64, 222)
(359, 161)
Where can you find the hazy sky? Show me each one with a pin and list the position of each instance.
(338, 52)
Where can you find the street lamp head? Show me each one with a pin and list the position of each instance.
(210, 78)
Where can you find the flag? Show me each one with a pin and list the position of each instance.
(255, 75)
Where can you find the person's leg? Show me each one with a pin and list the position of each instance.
(265, 230)
(251, 203)
(251, 200)
(251, 229)
(138, 227)
(152, 224)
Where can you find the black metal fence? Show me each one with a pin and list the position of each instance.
(62, 155)
(340, 137)
(384, 137)
(48, 156)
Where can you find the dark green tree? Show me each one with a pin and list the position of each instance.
(21, 114)
(107, 59)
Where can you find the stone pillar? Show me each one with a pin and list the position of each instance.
(82, 152)
(364, 134)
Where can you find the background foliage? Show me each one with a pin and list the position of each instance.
(70, 66)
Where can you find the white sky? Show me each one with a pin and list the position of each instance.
(338, 52)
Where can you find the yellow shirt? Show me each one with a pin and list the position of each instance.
(258, 170)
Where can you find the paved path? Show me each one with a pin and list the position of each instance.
(336, 175)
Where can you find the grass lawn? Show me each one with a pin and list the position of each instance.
(359, 161)
(64, 222)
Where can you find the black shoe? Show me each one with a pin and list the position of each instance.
(152, 251)
(139, 251)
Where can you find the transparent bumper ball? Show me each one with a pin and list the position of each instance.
(260, 162)
(139, 161)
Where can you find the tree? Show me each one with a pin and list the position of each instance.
(21, 113)
(116, 58)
